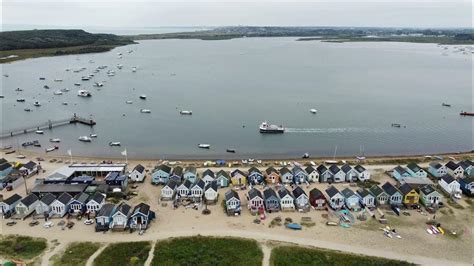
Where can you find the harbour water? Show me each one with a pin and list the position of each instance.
(231, 86)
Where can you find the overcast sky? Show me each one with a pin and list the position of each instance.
(149, 13)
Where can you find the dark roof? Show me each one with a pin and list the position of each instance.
(58, 188)
(5, 166)
(223, 173)
(142, 208)
(187, 183)
(405, 188)
(190, 169)
(298, 191)
(334, 169)
(428, 189)
(414, 167)
(254, 170)
(233, 173)
(12, 199)
(106, 210)
(123, 208)
(321, 169)
(164, 168)
(208, 172)
(389, 188)
(331, 191)
(346, 168)
(30, 165)
(231, 194)
(347, 193)
(112, 176)
(283, 192)
(400, 169)
(448, 179)
(364, 192)
(64, 198)
(284, 170)
(97, 197)
(3, 160)
(270, 170)
(452, 165)
(269, 192)
(200, 184)
(172, 184)
(359, 168)
(468, 180)
(48, 199)
(376, 190)
(310, 169)
(315, 193)
(296, 168)
(178, 171)
(255, 193)
(212, 185)
(82, 198)
(30, 199)
(436, 165)
(139, 168)
(465, 164)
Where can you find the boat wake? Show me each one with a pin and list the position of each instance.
(334, 130)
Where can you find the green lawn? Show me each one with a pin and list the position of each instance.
(292, 255)
(76, 254)
(21, 247)
(201, 250)
(127, 253)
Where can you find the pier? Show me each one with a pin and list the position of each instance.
(50, 124)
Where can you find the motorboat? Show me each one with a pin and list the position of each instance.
(98, 84)
(114, 143)
(55, 140)
(21, 156)
(396, 125)
(41, 78)
(37, 104)
(30, 143)
(58, 92)
(143, 97)
(52, 149)
(2, 96)
(446, 104)
(85, 78)
(84, 93)
(41, 132)
(145, 111)
(65, 103)
(128, 102)
(85, 139)
(20, 100)
(134, 69)
(230, 150)
(204, 146)
(18, 89)
(184, 112)
(58, 80)
(27, 110)
(65, 90)
(119, 66)
(46, 87)
(313, 111)
(93, 135)
(77, 84)
(265, 127)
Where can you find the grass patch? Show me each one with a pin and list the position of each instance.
(292, 255)
(21, 247)
(76, 254)
(127, 253)
(199, 250)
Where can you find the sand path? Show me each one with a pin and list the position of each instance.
(45, 259)
(91, 259)
(267, 251)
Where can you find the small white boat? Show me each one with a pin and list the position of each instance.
(58, 80)
(98, 84)
(84, 93)
(58, 93)
(85, 139)
(184, 112)
(27, 110)
(93, 135)
(134, 69)
(143, 97)
(65, 90)
(39, 132)
(77, 84)
(313, 111)
(55, 140)
(119, 66)
(114, 143)
(128, 102)
(204, 146)
(21, 156)
(146, 111)
(37, 104)
(111, 74)
(52, 149)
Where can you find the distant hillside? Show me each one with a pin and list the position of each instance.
(41, 39)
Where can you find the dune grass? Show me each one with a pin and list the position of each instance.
(201, 250)
(76, 254)
(127, 253)
(292, 255)
(21, 247)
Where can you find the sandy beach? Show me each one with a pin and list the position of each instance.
(363, 238)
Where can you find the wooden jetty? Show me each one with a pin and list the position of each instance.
(50, 124)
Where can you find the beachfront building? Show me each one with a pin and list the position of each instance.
(43, 208)
(272, 202)
(335, 199)
(381, 197)
(222, 178)
(60, 205)
(351, 199)
(7, 206)
(26, 206)
(255, 176)
(325, 176)
(350, 173)
(95, 203)
(120, 217)
(313, 174)
(286, 175)
(338, 175)
(416, 171)
(468, 167)
(161, 175)
(454, 169)
(255, 200)
(317, 199)
(299, 175)
(197, 190)
(177, 174)
(210, 192)
(141, 217)
(138, 173)
(410, 196)
(232, 202)
(208, 176)
(400, 173)
(5, 169)
(467, 185)
(104, 217)
(30, 168)
(190, 173)
(450, 185)
(287, 201)
(395, 196)
(437, 170)
(184, 189)
(366, 198)
(78, 203)
(429, 196)
(272, 176)
(168, 191)
(362, 173)
(238, 177)
(301, 199)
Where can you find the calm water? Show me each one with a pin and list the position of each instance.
(359, 89)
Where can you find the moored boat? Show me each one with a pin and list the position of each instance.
(55, 140)
(145, 111)
(313, 111)
(37, 104)
(84, 93)
(230, 150)
(58, 92)
(143, 97)
(93, 135)
(112, 143)
(446, 105)
(52, 149)
(39, 132)
(30, 143)
(269, 128)
(85, 139)
(204, 146)
(466, 113)
(184, 112)
(294, 226)
(21, 100)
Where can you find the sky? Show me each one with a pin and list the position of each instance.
(154, 13)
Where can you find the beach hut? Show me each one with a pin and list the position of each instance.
(78, 203)
(317, 199)
(190, 173)
(210, 192)
(255, 200)
(450, 185)
(222, 178)
(255, 176)
(7, 206)
(169, 190)
(5, 169)
(430, 197)
(272, 176)
(366, 198)
(197, 190)
(301, 199)
(325, 176)
(350, 173)
(29, 168)
(351, 199)
(26, 206)
(161, 175)
(287, 201)
(362, 173)
(313, 174)
(60, 205)
(335, 199)
(208, 176)
(141, 217)
(238, 177)
(410, 196)
(232, 202)
(138, 173)
(467, 185)
(437, 170)
(272, 202)
(400, 173)
(454, 169)
(104, 217)
(381, 197)
(299, 175)
(43, 208)
(468, 167)
(120, 217)
(177, 174)
(117, 180)
(184, 189)
(286, 175)
(338, 175)
(94, 204)
(395, 196)
(416, 171)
